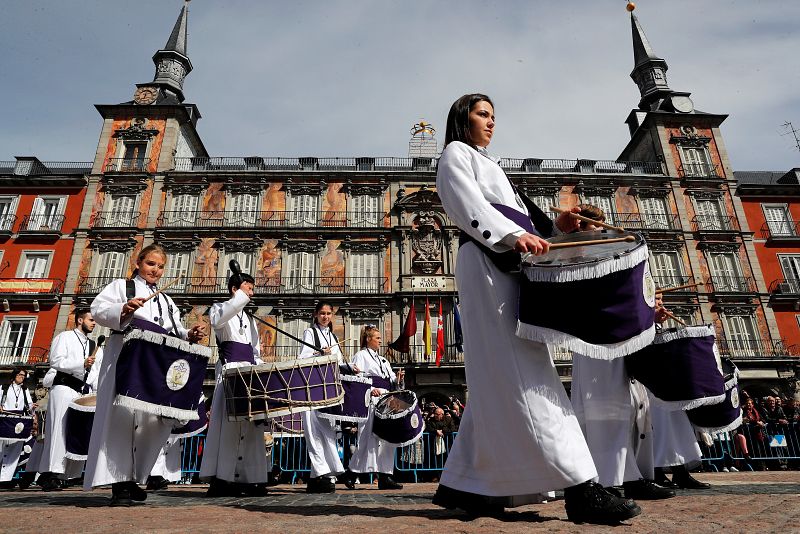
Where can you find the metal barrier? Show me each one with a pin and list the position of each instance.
(425, 455)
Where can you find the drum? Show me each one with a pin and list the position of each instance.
(78, 426)
(355, 405)
(193, 428)
(15, 426)
(723, 416)
(398, 418)
(287, 425)
(680, 368)
(26, 451)
(269, 390)
(597, 300)
(161, 375)
(41, 413)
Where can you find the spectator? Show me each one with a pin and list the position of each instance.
(751, 434)
(440, 429)
(791, 410)
(773, 413)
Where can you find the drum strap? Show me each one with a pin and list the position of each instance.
(64, 379)
(130, 292)
(316, 336)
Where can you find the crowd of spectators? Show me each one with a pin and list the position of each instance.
(766, 423)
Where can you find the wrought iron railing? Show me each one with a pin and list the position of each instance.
(730, 284)
(48, 286)
(751, 348)
(13, 355)
(648, 221)
(780, 230)
(34, 167)
(42, 223)
(7, 223)
(666, 281)
(714, 223)
(785, 286)
(270, 219)
(110, 219)
(698, 170)
(127, 165)
(417, 355)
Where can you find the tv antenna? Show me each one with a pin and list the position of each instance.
(791, 130)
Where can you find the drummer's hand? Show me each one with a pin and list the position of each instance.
(34, 405)
(375, 392)
(567, 223)
(197, 333)
(531, 243)
(661, 315)
(131, 306)
(89, 362)
(401, 374)
(326, 350)
(355, 369)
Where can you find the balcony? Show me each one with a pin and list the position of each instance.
(23, 355)
(42, 225)
(715, 224)
(215, 220)
(785, 232)
(648, 221)
(784, 290)
(666, 281)
(699, 171)
(752, 349)
(31, 288)
(731, 285)
(7, 224)
(111, 220)
(127, 165)
(417, 356)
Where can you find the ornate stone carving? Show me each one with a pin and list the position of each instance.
(649, 191)
(426, 243)
(184, 245)
(124, 188)
(301, 246)
(593, 190)
(290, 314)
(364, 246)
(136, 131)
(736, 309)
(115, 245)
(369, 189)
(705, 194)
(365, 314)
(717, 246)
(541, 190)
(689, 137)
(236, 187)
(184, 189)
(305, 189)
(239, 245)
(665, 246)
(424, 199)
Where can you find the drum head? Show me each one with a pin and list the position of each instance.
(578, 255)
(395, 403)
(87, 400)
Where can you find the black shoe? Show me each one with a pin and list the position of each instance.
(120, 494)
(386, 482)
(8, 485)
(661, 479)
(26, 480)
(136, 493)
(592, 503)
(471, 503)
(321, 484)
(646, 490)
(350, 480)
(687, 481)
(50, 482)
(222, 488)
(252, 490)
(157, 483)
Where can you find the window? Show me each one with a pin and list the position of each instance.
(246, 261)
(47, 213)
(133, 158)
(353, 333)
(544, 203)
(110, 266)
(726, 273)
(290, 349)
(364, 272)
(711, 215)
(16, 334)
(183, 211)
(741, 335)
(418, 352)
(8, 211)
(303, 210)
(654, 212)
(667, 269)
(685, 317)
(790, 265)
(605, 203)
(779, 220)
(696, 162)
(299, 269)
(365, 211)
(178, 264)
(120, 213)
(242, 210)
(35, 264)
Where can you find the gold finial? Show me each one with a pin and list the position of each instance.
(631, 6)
(423, 128)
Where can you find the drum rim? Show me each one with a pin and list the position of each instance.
(560, 273)
(282, 366)
(398, 415)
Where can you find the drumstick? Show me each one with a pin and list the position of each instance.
(170, 284)
(591, 242)
(587, 219)
(335, 344)
(676, 319)
(684, 286)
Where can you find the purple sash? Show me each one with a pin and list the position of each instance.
(234, 351)
(383, 383)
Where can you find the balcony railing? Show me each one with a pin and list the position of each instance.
(109, 219)
(7, 223)
(648, 221)
(270, 219)
(417, 356)
(698, 170)
(42, 224)
(32, 167)
(273, 286)
(10, 355)
(46, 286)
(744, 349)
(528, 165)
(785, 287)
(666, 281)
(714, 223)
(731, 284)
(780, 230)
(127, 165)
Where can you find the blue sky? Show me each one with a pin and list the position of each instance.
(349, 78)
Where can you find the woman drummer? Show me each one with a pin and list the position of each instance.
(125, 443)
(515, 391)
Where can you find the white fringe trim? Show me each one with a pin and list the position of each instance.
(13, 440)
(170, 341)
(356, 378)
(346, 418)
(690, 404)
(733, 382)
(599, 352)
(566, 273)
(189, 434)
(720, 429)
(156, 409)
(685, 333)
(81, 408)
(409, 442)
(76, 457)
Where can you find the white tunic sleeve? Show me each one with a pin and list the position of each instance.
(459, 186)
(222, 312)
(306, 351)
(107, 306)
(67, 354)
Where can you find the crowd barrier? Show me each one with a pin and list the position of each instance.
(771, 446)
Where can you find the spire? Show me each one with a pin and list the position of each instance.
(649, 70)
(172, 63)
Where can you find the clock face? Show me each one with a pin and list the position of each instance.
(145, 95)
(683, 104)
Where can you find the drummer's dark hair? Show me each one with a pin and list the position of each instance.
(18, 370)
(238, 279)
(458, 118)
(367, 333)
(321, 304)
(591, 211)
(80, 313)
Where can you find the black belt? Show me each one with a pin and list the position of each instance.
(64, 379)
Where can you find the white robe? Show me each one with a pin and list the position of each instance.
(675, 442)
(373, 455)
(234, 450)
(519, 435)
(320, 433)
(68, 352)
(613, 414)
(125, 443)
(168, 463)
(11, 451)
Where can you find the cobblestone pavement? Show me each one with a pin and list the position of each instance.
(737, 502)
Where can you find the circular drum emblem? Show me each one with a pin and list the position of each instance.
(177, 374)
(414, 420)
(27, 449)
(648, 287)
(735, 397)
(18, 428)
(368, 397)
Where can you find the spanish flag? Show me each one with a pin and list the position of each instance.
(439, 337)
(426, 330)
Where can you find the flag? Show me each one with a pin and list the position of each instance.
(401, 344)
(439, 337)
(426, 330)
(458, 334)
